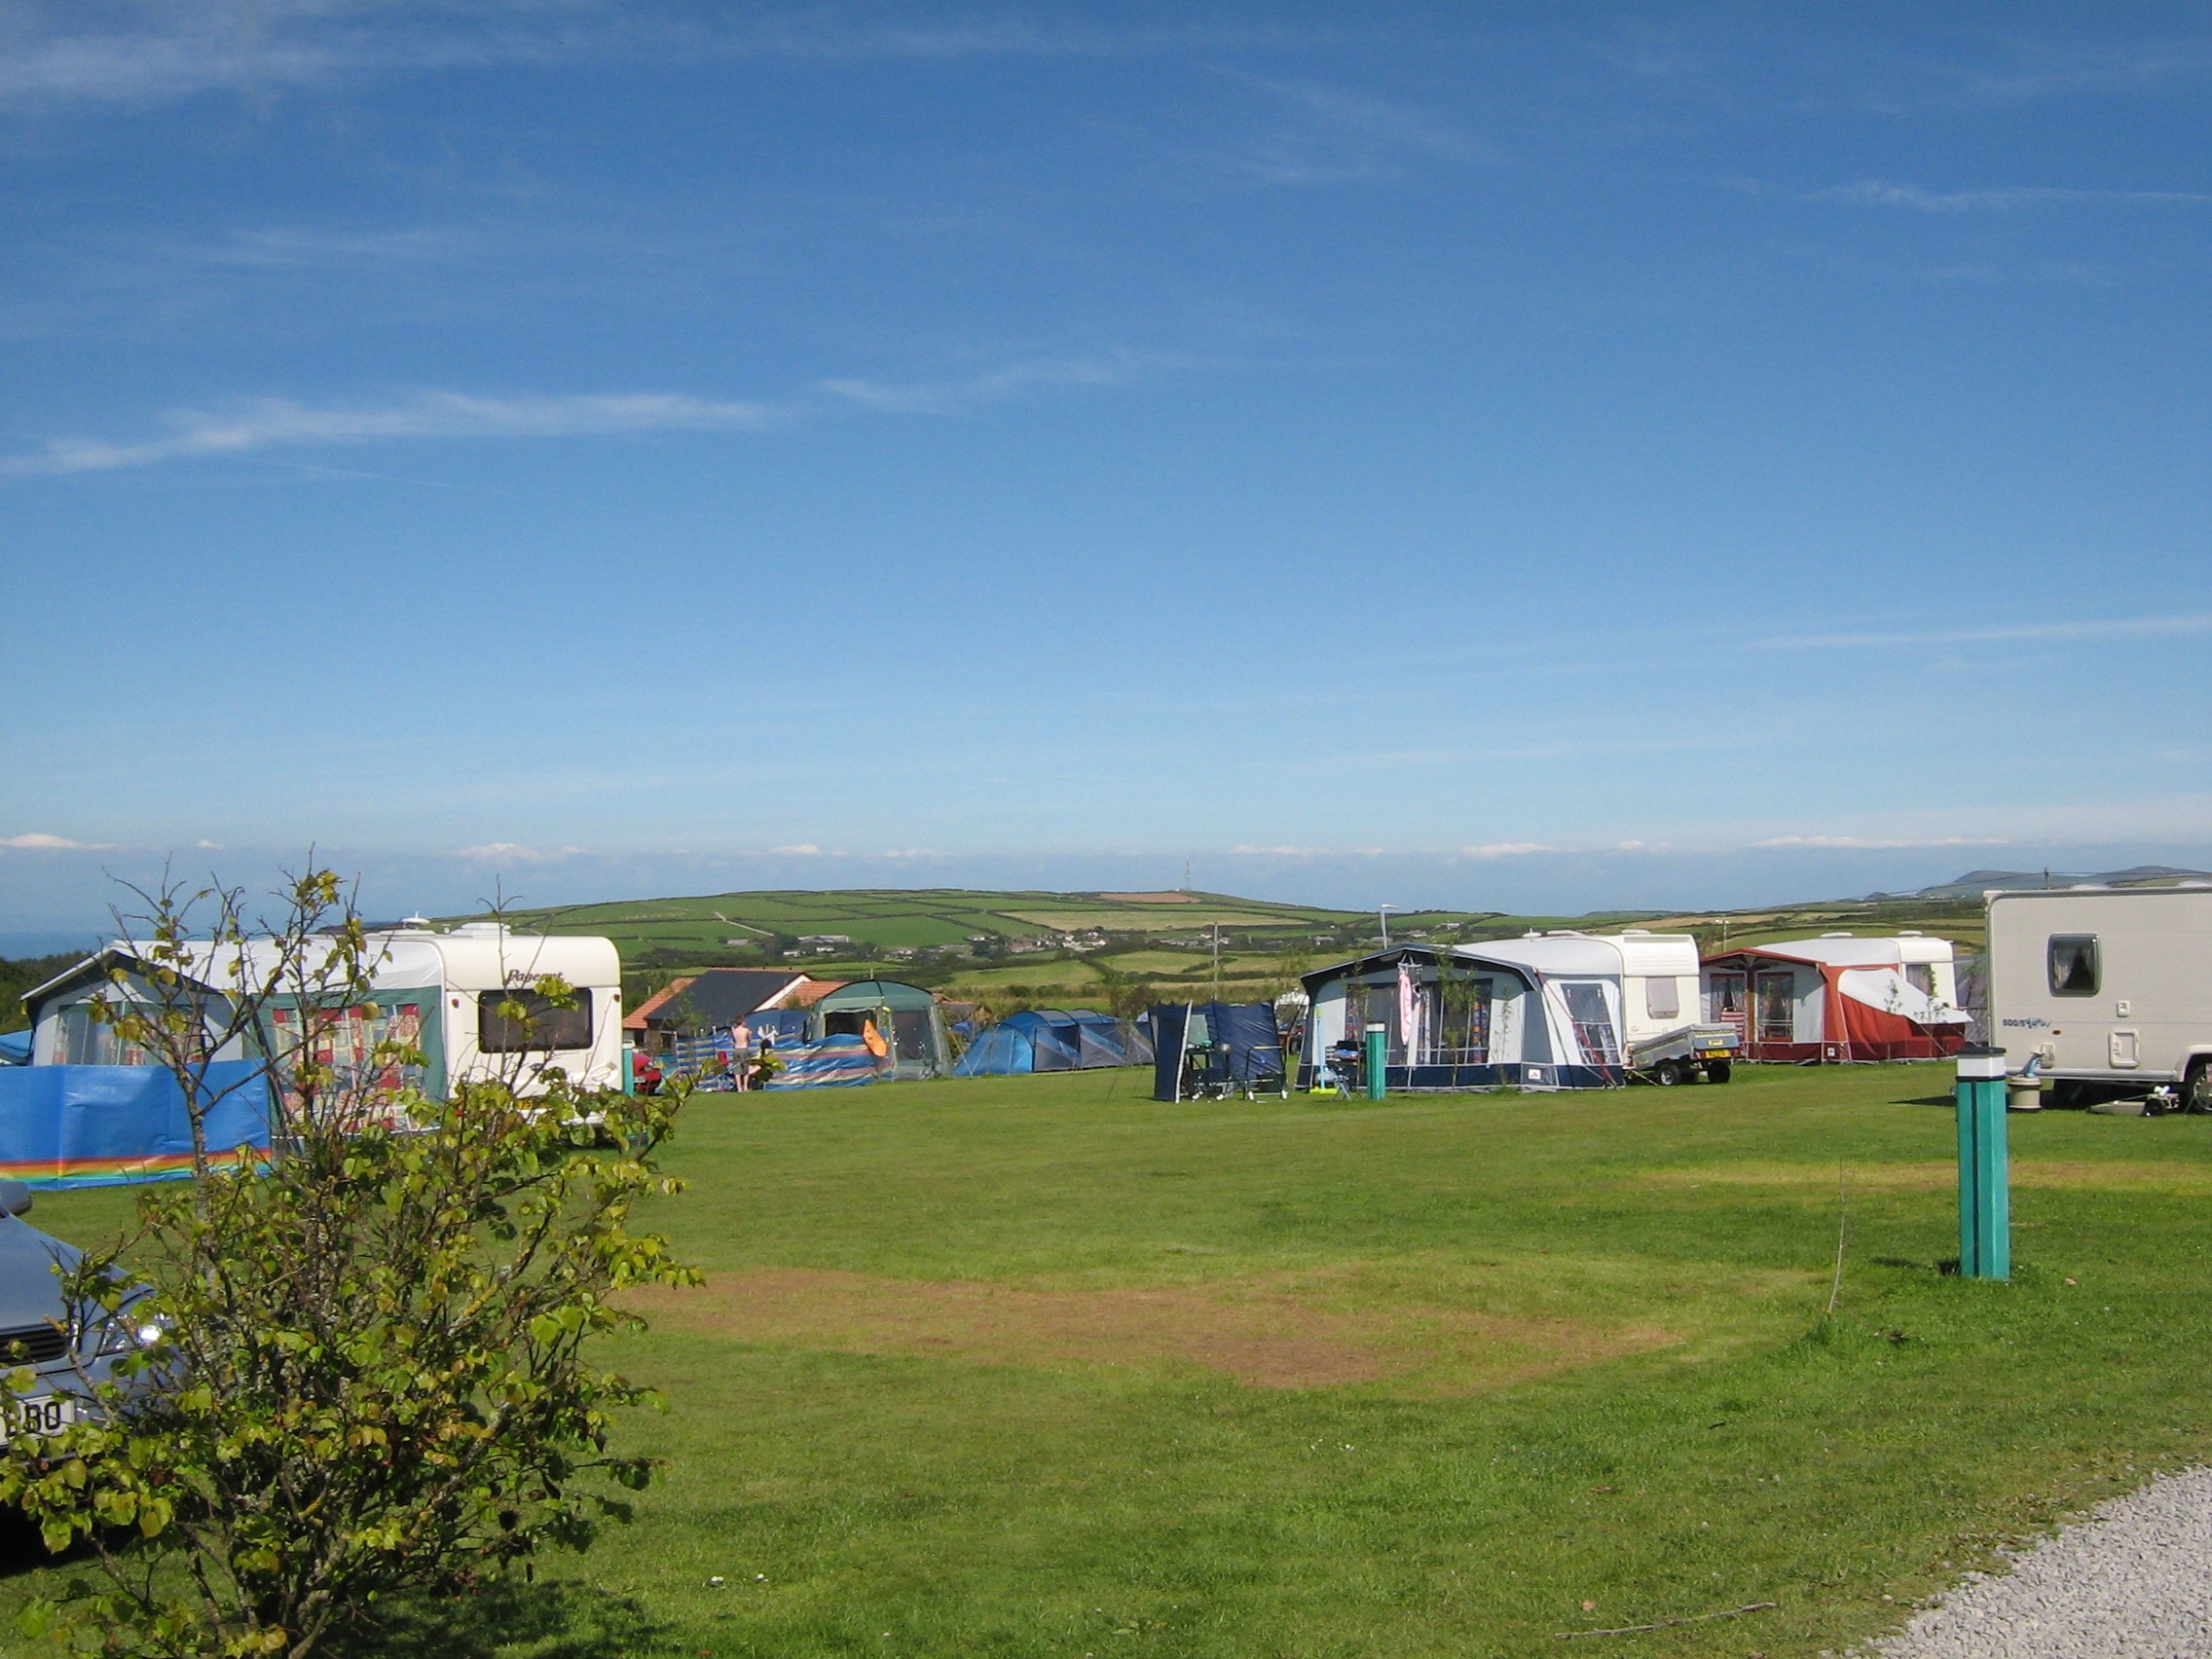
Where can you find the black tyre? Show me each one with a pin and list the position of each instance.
(1719, 1071)
(1667, 1073)
(2196, 1087)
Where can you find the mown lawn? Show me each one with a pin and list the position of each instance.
(1041, 1367)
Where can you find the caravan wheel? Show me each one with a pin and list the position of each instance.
(2196, 1088)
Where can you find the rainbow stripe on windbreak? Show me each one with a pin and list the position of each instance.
(54, 1174)
(97, 1171)
(118, 1126)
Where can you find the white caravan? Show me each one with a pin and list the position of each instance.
(2110, 986)
(1551, 1010)
(1648, 984)
(437, 992)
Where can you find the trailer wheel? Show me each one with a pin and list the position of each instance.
(1667, 1073)
(1717, 1071)
(2196, 1088)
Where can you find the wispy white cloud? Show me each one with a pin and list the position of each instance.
(1880, 843)
(1873, 193)
(35, 840)
(514, 852)
(261, 425)
(1327, 135)
(1401, 126)
(2122, 627)
(954, 396)
(298, 248)
(803, 850)
(2036, 71)
(278, 423)
(158, 50)
(1506, 849)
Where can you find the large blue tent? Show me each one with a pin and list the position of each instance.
(1050, 1040)
(1215, 1049)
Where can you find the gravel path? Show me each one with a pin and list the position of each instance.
(2134, 1581)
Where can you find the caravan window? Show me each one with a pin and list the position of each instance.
(2073, 967)
(541, 1027)
(1662, 1000)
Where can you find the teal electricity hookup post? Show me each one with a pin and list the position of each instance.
(1985, 1200)
(1378, 1052)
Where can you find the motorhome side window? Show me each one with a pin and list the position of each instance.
(2074, 965)
(1661, 998)
(543, 1026)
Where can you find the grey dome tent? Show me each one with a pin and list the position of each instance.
(906, 1015)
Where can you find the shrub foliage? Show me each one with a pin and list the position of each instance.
(362, 1364)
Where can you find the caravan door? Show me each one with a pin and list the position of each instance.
(1776, 1008)
(1595, 1031)
(1725, 1005)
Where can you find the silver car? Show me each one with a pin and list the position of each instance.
(71, 1355)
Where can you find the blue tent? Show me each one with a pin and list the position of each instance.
(1215, 1049)
(14, 1048)
(1052, 1039)
(779, 1027)
(1101, 1039)
(1002, 1051)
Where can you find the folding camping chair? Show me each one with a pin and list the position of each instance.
(1205, 1072)
(1265, 1073)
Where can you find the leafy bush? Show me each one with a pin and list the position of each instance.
(355, 1366)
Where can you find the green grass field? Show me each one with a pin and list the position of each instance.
(1041, 1367)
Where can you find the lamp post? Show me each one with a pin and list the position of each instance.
(1383, 911)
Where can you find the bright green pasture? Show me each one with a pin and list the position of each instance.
(1041, 1367)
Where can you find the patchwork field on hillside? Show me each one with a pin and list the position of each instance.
(1039, 1366)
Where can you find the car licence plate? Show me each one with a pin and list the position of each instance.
(46, 1413)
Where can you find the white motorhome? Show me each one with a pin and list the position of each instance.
(2110, 986)
(438, 992)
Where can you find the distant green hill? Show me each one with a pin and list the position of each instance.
(1079, 947)
(937, 919)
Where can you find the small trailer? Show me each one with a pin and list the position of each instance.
(436, 992)
(2110, 988)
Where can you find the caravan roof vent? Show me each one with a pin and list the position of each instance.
(480, 930)
(1565, 933)
(1908, 933)
(1636, 933)
(1839, 935)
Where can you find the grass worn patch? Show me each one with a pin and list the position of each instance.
(1041, 1367)
(1288, 1331)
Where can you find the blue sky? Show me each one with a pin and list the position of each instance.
(615, 443)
